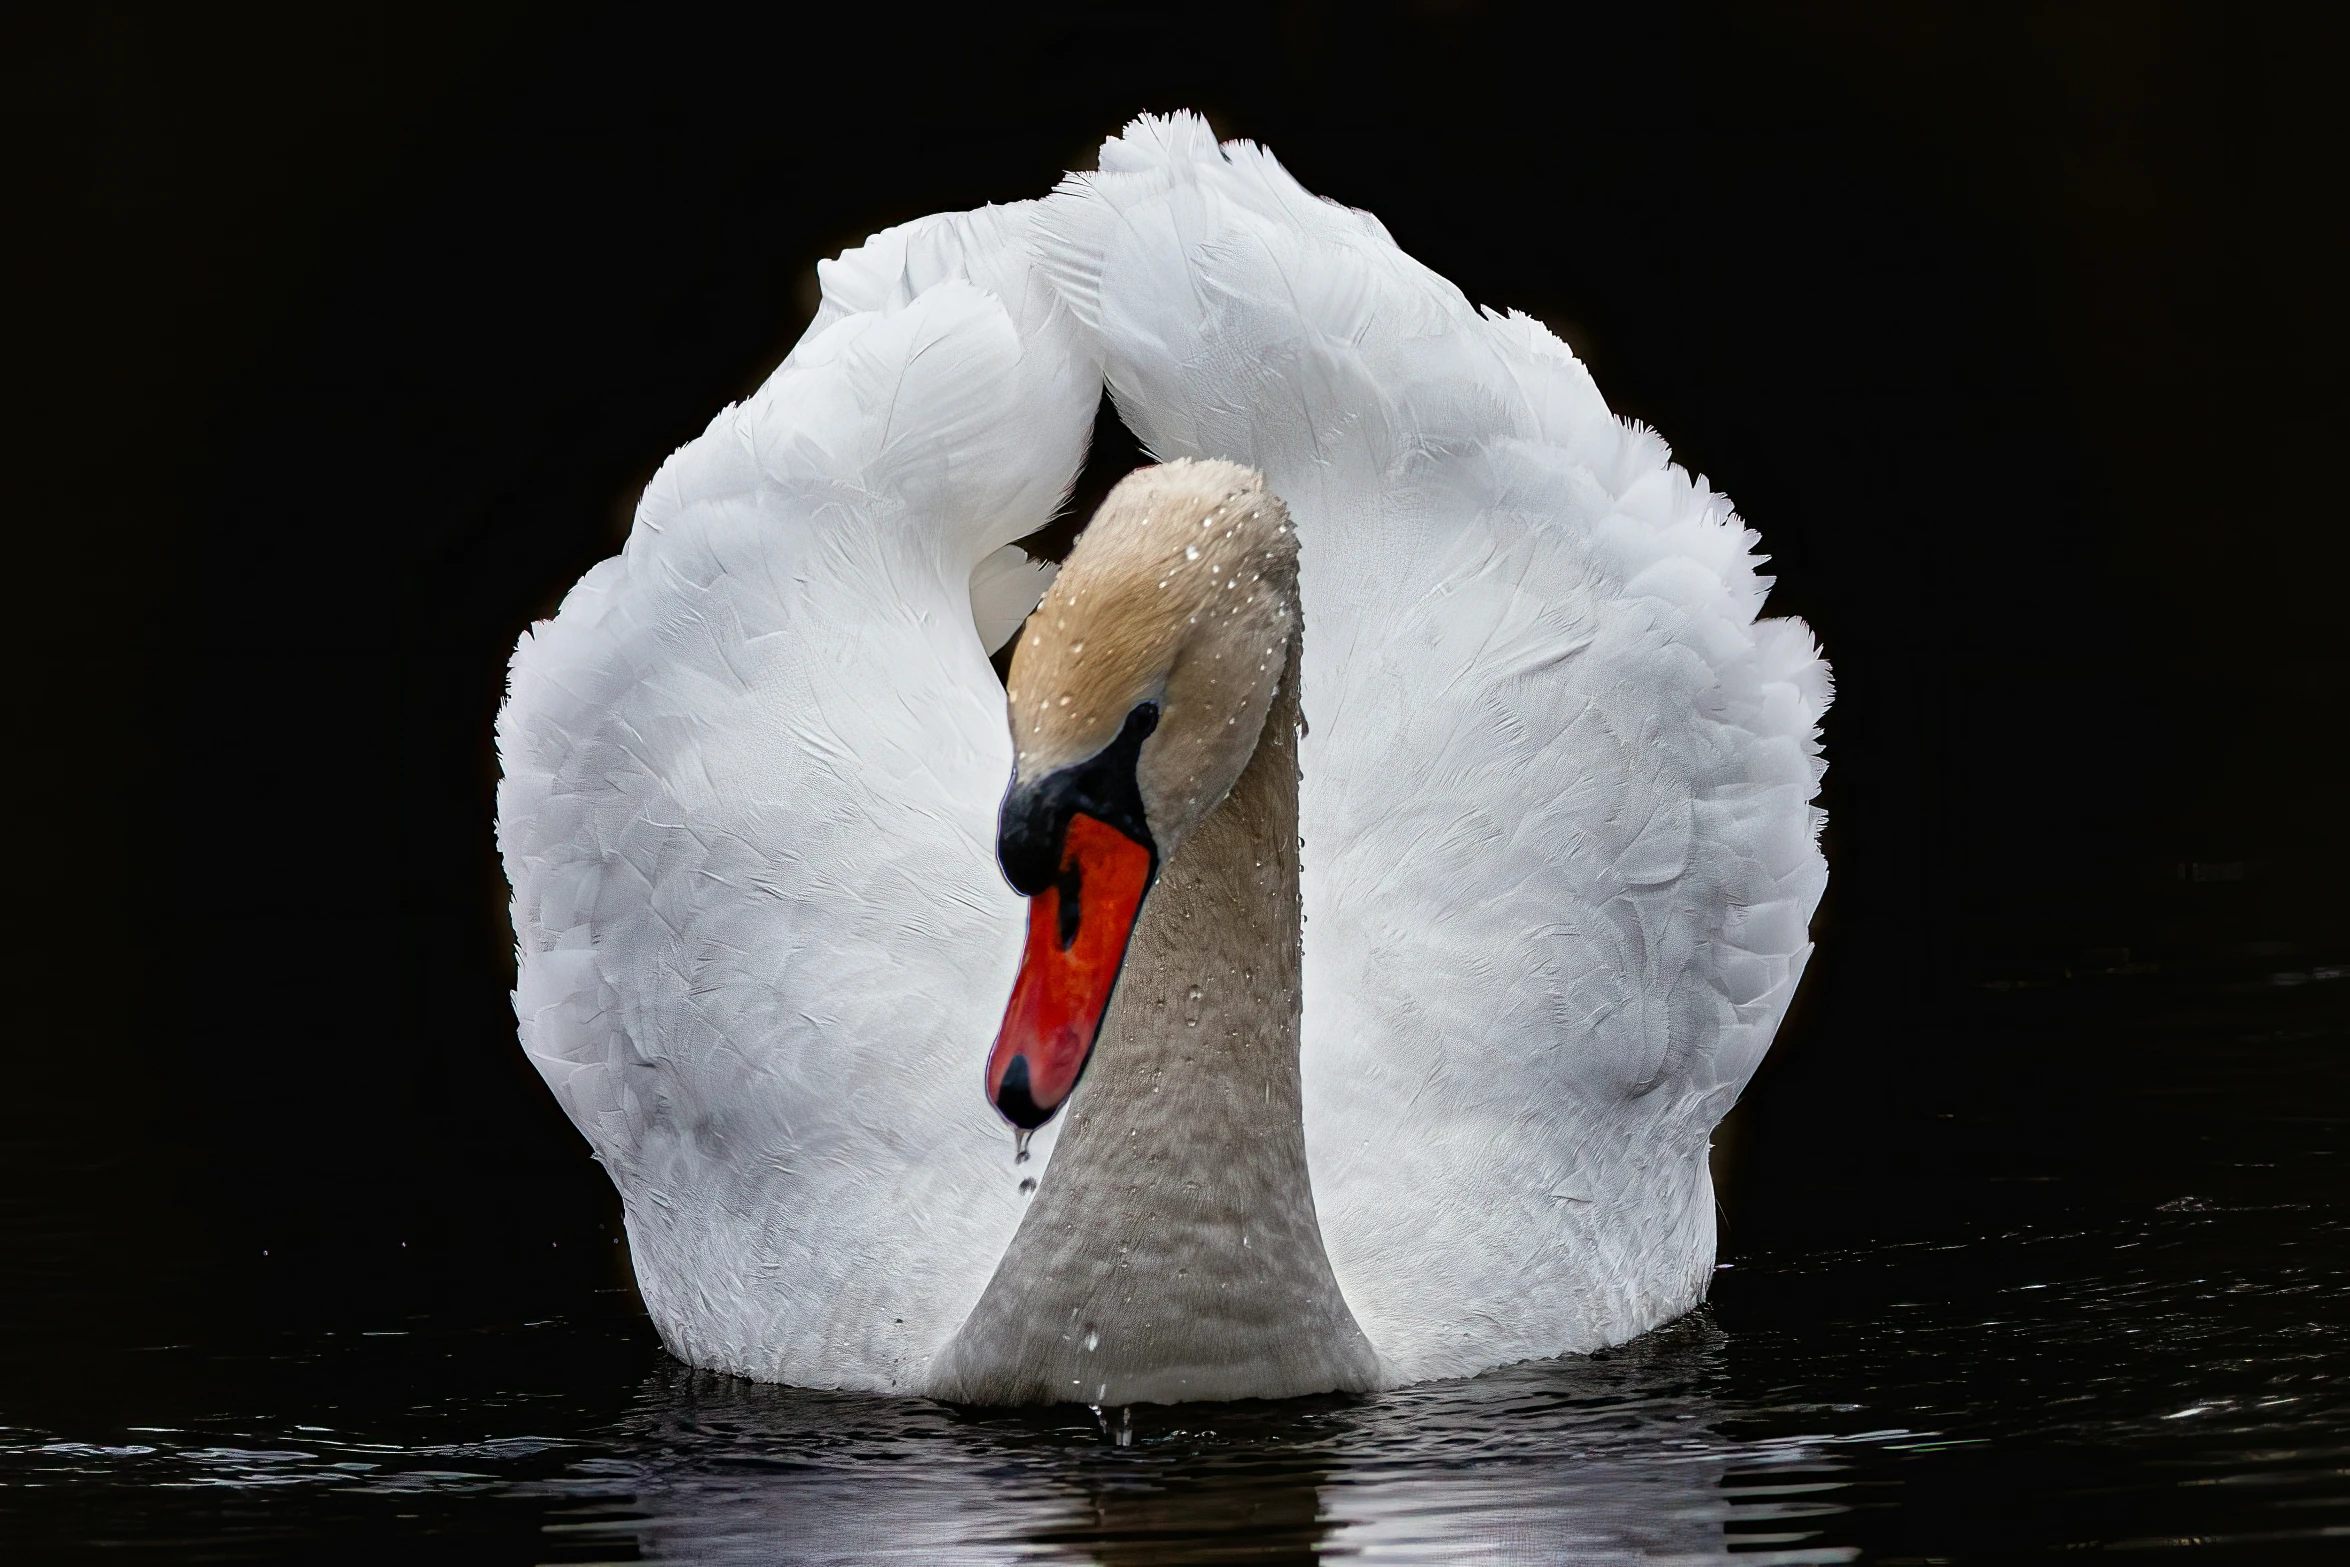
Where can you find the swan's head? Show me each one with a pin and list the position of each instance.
(1137, 694)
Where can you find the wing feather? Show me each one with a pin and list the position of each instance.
(748, 777)
(1560, 847)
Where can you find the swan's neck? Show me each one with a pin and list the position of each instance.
(1171, 1251)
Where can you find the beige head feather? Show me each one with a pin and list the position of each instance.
(1182, 590)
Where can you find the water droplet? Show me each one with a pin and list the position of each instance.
(1027, 1184)
(1020, 1136)
(1191, 552)
(1093, 1340)
(1126, 1426)
(1076, 648)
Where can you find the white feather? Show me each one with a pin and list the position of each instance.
(1004, 588)
(1560, 852)
(748, 814)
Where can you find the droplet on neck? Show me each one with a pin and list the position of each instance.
(1020, 1136)
(1093, 1339)
(1027, 1185)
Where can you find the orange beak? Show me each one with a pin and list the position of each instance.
(1077, 841)
(1078, 928)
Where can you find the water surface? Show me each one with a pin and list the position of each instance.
(2123, 1337)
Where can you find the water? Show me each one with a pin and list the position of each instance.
(2120, 1332)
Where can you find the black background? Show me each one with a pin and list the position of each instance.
(343, 338)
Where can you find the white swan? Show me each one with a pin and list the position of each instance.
(1558, 860)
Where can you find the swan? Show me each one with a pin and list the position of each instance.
(1391, 854)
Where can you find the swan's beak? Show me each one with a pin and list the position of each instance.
(1078, 843)
(1078, 927)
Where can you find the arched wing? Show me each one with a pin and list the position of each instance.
(1560, 852)
(750, 773)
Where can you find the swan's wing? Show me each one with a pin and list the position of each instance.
(750, 774)
(1560, 852)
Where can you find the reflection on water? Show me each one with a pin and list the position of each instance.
(1595, 1461)
(2025, 1392)
(1623, 1457)
(2152, 1359)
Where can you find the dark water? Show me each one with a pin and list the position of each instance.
(2099, 1307)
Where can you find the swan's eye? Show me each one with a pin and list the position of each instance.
(1034, 823)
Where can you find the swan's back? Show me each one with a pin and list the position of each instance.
(1560, 852)
(750, 771)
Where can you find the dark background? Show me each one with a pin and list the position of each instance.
(343, 338)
